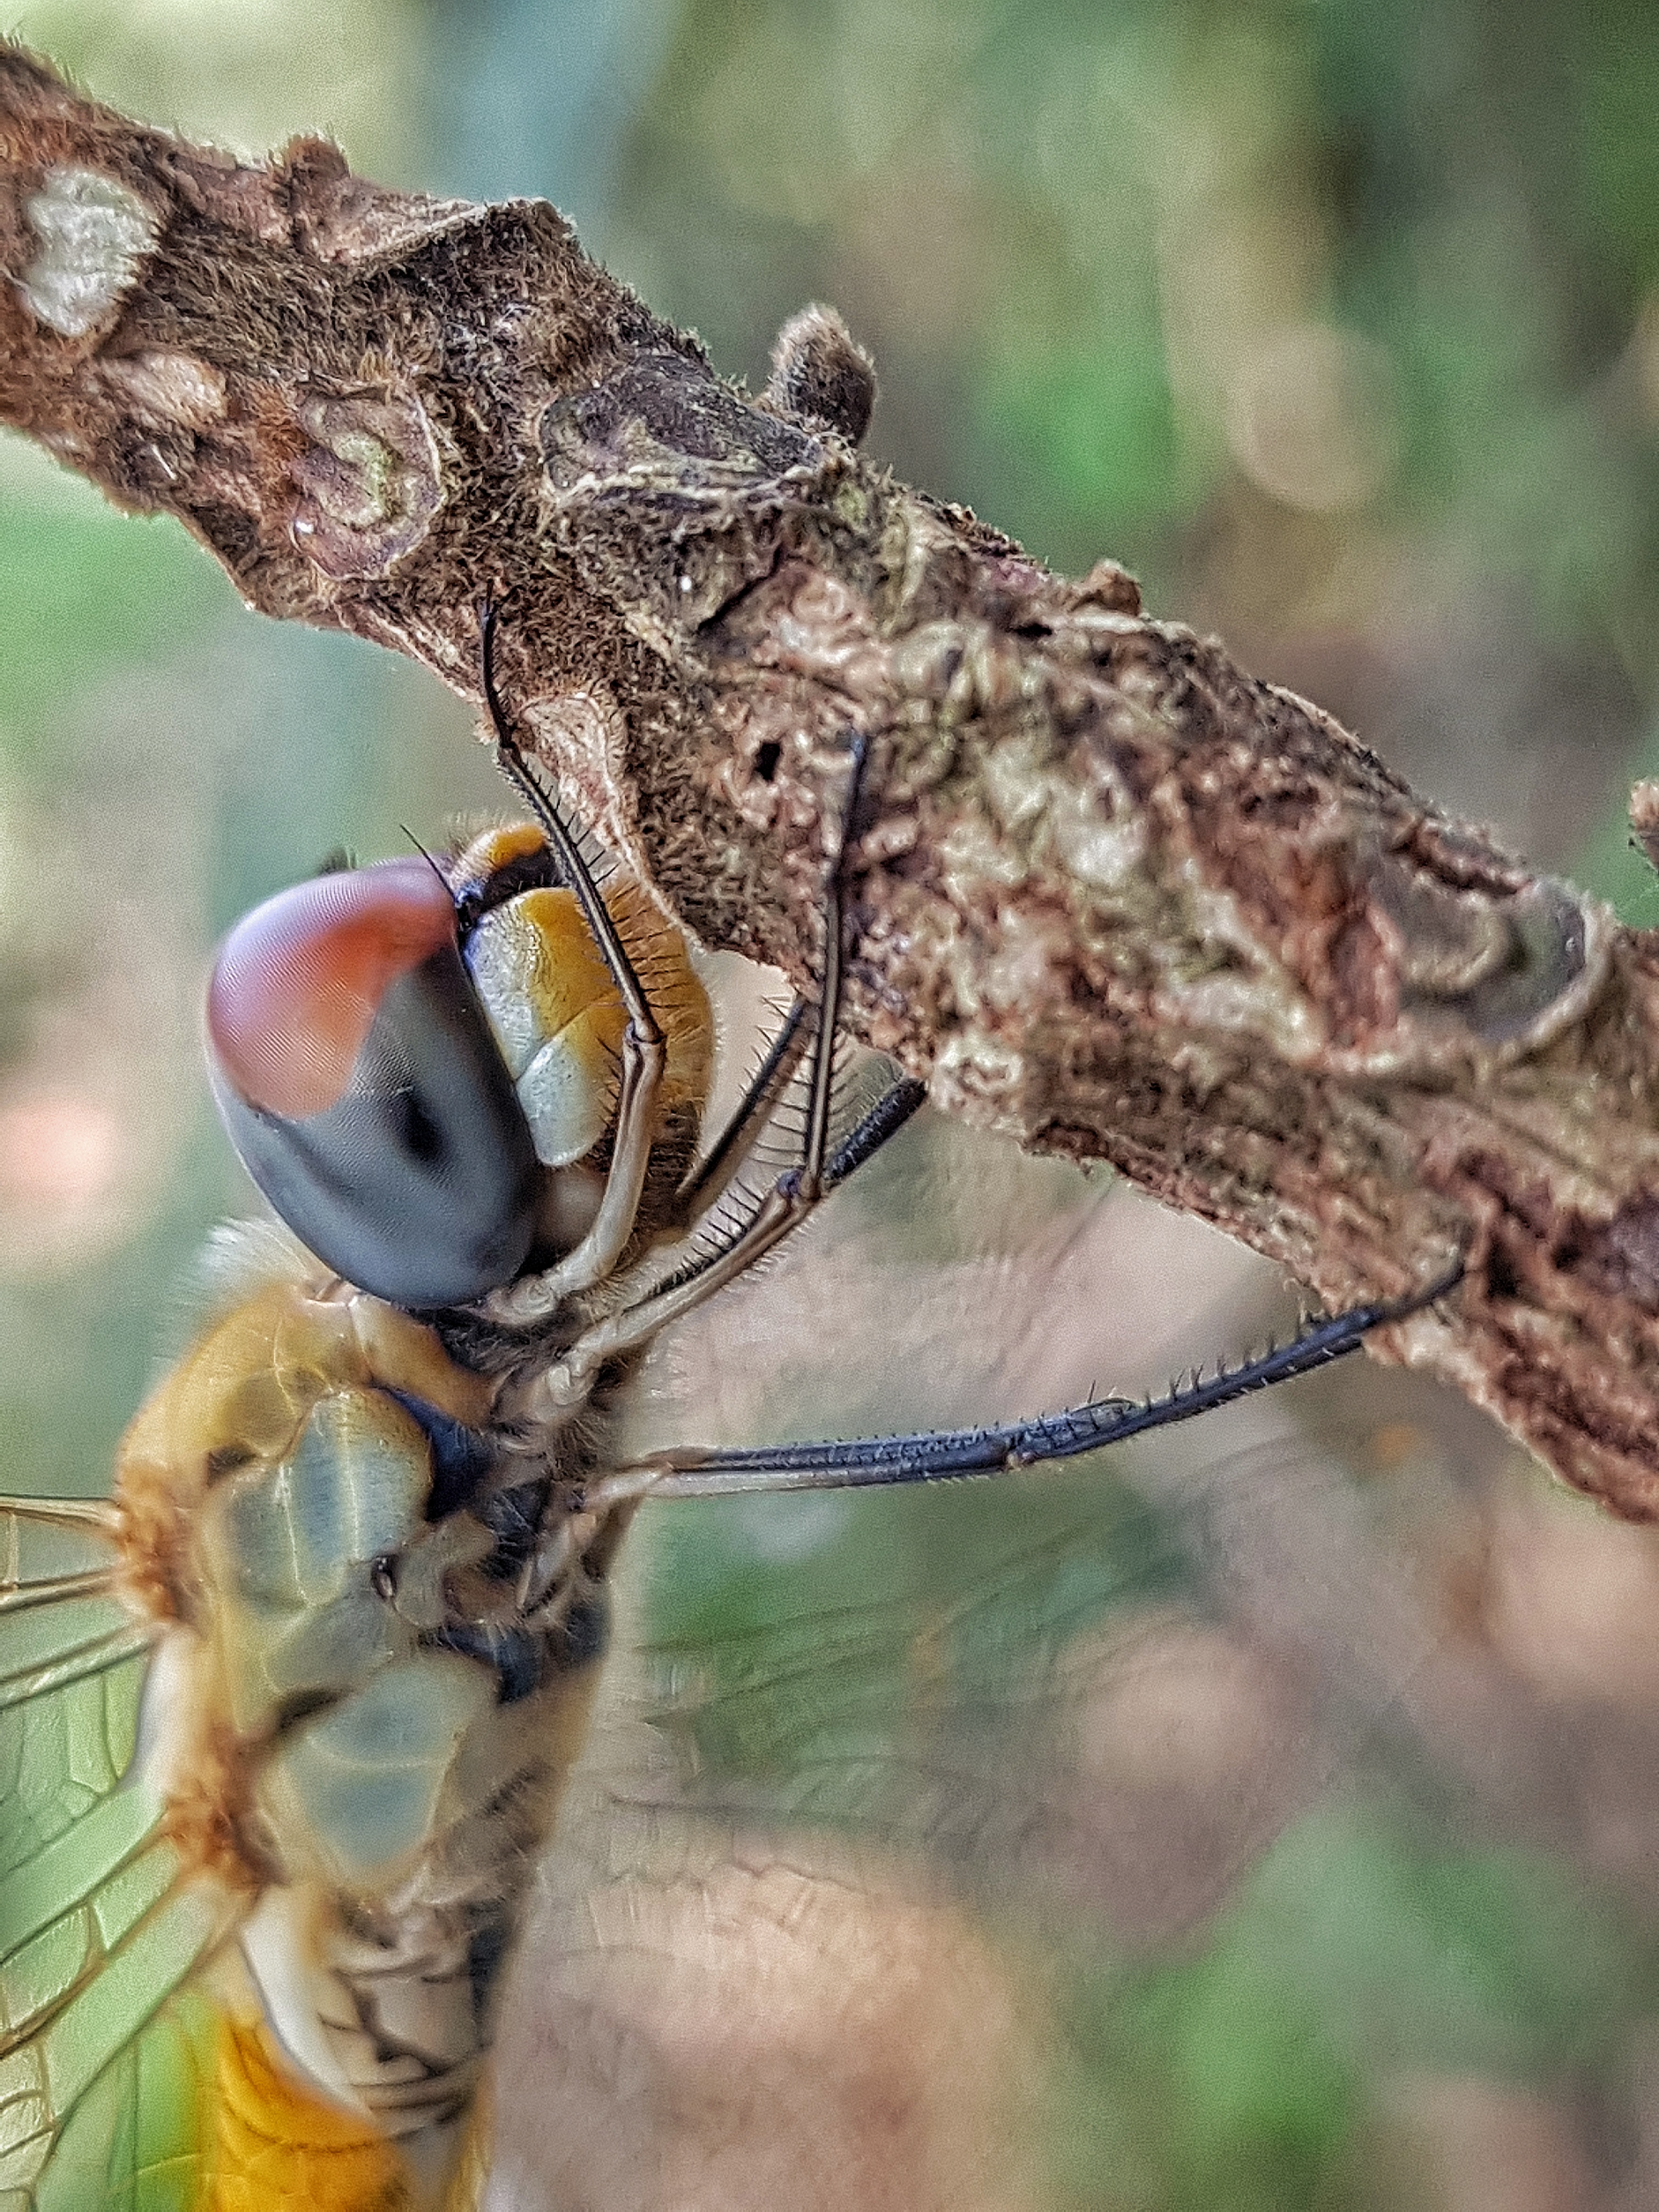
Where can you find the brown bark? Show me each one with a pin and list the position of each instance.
(1112, 896)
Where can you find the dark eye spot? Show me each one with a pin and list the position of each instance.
(766, 760)
(225, 1459)
(1502, 1281)
(420, 1135)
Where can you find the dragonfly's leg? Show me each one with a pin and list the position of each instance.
(902, 1098)
(533, 1298)
(553, 1390)
(947, 1454)
(888, 1114)
(569, 1381)
(644, 1048)
(703, 1184)
(869, 1133)
(568, 1567)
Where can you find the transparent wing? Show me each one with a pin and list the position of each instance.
(1206, 1825)
(101, 2059)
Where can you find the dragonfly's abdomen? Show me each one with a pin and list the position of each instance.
(279, 2146)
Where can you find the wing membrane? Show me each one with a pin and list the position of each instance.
(61, 1622)
(132, 2144)
(102, 2054)
(1212, 1746)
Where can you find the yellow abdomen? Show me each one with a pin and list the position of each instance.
(279, 2148)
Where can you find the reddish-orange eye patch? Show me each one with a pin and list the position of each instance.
(299, 982)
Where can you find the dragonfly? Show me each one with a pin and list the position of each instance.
(286, 1721)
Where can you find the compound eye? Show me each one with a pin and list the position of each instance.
(357, 1078)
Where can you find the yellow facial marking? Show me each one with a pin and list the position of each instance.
(559, 1021)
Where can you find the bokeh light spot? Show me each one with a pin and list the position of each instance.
(1312, 417)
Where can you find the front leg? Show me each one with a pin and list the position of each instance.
(551, 1393)
(644, 1051)
(534, 1298)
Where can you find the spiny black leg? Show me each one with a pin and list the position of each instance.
(869, 1133)
(883, 1119)
(704, 1183)
(801, 1188)
(789, 1201)
(810, 1174)
(947, 1454)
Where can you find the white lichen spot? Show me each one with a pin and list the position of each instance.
(169, 391)
(1101, 853)
(1093, 828)
(1239, 987)
(980, 1076)
(93, 233)
(1015, 782)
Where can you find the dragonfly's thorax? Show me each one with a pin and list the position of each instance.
(378, 1967)
(382, 1633)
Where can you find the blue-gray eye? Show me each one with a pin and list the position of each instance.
(358, 1079)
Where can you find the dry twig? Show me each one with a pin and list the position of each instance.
(1114, 898)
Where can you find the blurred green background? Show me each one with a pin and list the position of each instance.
(1340, 326)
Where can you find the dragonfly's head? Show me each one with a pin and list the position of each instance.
(356, 1073)
(418, 1065)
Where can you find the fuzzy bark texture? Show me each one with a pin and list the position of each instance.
(1110, 894)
